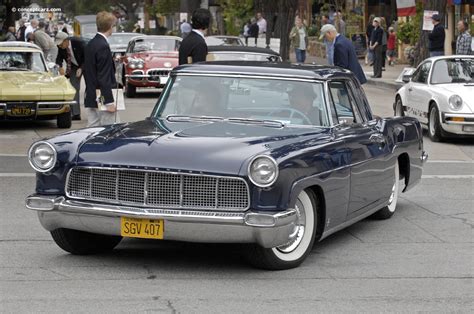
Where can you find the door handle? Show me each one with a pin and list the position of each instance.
(377, 138)
(410, 89)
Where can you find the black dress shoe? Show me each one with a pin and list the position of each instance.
(76, 117)
(376, 76)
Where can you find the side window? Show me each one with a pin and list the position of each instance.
(421, 74)
(343, 103)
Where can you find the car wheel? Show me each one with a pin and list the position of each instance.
(434, 127)
(64, 120)
(130, 90)
(389, 210)
(399, 108)
(83, 243)
(293, 253)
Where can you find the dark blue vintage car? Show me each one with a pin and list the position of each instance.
(274, 155)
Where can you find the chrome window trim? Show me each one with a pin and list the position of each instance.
(144, 205)
(271, 76)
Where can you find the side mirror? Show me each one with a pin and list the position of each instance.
(53, 68)
(406, 78)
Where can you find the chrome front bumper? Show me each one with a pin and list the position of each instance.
(458, 123)
(268, 229)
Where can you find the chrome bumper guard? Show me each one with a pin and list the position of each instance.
(268, 229)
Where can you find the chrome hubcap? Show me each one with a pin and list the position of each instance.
(432, 121)
(392, 196)
(297, 234)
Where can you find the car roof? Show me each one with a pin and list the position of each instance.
(242, 49)
(264, 68)
(127, 33)
(449, 57)
(18, 46)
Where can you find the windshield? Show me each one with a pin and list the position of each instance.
(156, 44)
(289, 102)
(21, 61)
(89, 29)
(120, 39)
(453, 71)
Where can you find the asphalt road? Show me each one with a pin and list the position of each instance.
(420, 260)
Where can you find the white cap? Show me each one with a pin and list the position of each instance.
(326, 28)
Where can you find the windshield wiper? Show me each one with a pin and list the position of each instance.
(271, 123)
(183, 118)
(12, 69)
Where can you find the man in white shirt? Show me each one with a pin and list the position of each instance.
(31, 28)
(262, 24)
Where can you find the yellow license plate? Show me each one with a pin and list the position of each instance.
(21, 111)
(142, 228)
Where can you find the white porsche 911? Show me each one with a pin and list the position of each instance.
(440, 93)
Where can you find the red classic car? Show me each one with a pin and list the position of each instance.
(147, 62)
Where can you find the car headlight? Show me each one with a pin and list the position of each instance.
(263, 171)
(455, 102)
(42, 156)
(136, 63)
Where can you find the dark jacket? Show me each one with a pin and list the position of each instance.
(193, 46)
(436, 38)
(377, 36)
(20, 35)
(345, 57)
(99, 71)
(253, 30)
(78, 46)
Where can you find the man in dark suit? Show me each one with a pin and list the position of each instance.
(344, 52)
(193, 48)
(71, 51)
(99, 73)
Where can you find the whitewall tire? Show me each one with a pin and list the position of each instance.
(293, 253)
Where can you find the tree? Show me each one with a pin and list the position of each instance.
(421, 48)
(280, 16)
(236, 14)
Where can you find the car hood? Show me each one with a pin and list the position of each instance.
(214, 147)
(19, 85)
(465, 91)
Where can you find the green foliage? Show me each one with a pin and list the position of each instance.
(409, 32)
(313, 31)
(166, 7)
(236, 14)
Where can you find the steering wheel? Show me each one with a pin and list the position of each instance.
(292, 113)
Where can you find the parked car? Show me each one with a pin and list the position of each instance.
(29, 90)
(241, 53)
(440, 94)
(274, 155)
(119, 42)
(221, 40)
(148, 62)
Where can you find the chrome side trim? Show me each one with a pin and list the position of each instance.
(72, 102)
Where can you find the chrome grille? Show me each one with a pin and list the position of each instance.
(154, 74)
(158, 189)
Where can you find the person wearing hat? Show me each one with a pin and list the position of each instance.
(436, 37)
(376, 45)
(71, 52)
(344, 52)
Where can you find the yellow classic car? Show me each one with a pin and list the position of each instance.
(29, 90)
